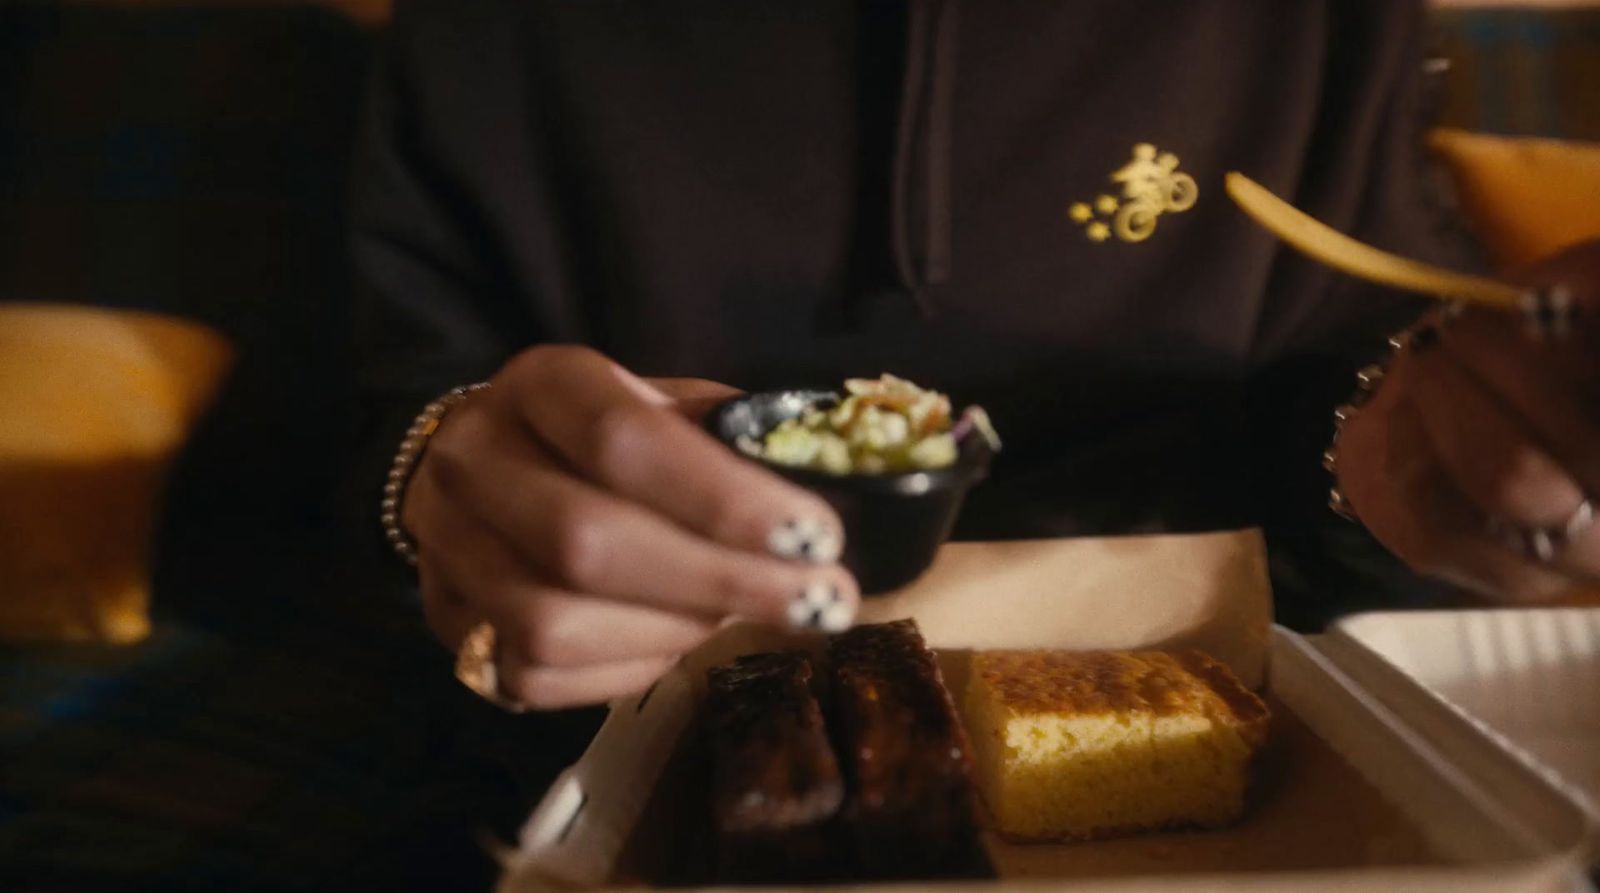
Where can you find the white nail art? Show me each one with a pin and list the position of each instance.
(805, 540)
(827, 547)
(818, 608)
(837, 617)
(799, 614)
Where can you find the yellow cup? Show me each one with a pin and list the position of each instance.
(94, 406)
(1528, 198)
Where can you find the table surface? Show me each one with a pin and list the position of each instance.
(290, 725)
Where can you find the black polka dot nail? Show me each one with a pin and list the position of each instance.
(805, 540)
(821, 607)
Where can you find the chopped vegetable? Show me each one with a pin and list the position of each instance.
(882, 425)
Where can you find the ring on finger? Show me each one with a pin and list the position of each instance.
(1542, 543)
(476, 668)
(1547, 312)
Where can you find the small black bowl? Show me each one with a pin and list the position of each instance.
(893, 523)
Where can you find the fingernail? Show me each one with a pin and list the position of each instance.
(1547, 312)
(805, 540)
(821, 607)
(837, 617)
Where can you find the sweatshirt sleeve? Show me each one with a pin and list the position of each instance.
(1374, 181)
(426, 292)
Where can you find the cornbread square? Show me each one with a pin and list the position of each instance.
(1094, 744)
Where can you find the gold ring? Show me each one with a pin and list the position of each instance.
(475, 667)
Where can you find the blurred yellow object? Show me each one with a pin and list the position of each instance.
(94, 405)
(1528, 198)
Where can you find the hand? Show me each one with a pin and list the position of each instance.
(1476, 442)
(579, 510)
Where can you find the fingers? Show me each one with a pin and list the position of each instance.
(1475, 458)
(553, 648)
(1404, 496)
(444, 608)
(1486, 449)
(577, 511)
(530, 683)
(625, 436)
(1385, 465)
(543, 625)
(585, 540)
(550, 628)
(553, 688)
(1550, 386)
(1529, 501)
(1575, 269)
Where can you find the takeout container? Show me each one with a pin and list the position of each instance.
(1351, 795)
(893, 523)
(1527, 679)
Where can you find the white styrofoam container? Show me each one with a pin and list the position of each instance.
(1500, 828)
(1527, 678)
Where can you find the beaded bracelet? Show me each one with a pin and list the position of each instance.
(1423, 335)
(405, 463)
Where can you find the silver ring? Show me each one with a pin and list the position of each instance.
(1543, 543)
(1547, 312)
(475, 667)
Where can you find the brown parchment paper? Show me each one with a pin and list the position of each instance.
(1208, 591)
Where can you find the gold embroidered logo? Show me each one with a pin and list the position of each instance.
(1152, 185)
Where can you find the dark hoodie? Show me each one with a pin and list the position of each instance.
(770, 193)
